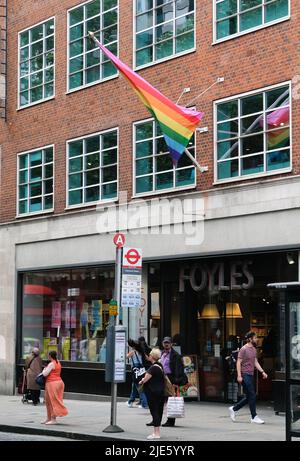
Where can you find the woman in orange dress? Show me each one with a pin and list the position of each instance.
(54, 390)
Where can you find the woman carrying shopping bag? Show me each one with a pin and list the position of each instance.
(154, 387)
(54, 390)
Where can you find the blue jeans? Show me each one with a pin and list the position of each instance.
(250, 397)
(135, 393)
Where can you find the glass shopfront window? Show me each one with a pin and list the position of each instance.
(67, 311)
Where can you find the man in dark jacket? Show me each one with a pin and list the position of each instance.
(173, 368)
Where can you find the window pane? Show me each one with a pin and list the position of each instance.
(92, 9)
(49, 27)
(247, 4)
(35, 189)
(36, 174)
(278, 138)
(164, 163)
(93, 58)
(184, 42)
(76, 80)
(277, 97)
(107, 4)
(109, 140)
(36, 79)
(184, 24)
(92, 194)
(144, 21)
(23, 192)
(164, 13)
(75, 148)
(109, 191)
(92, 161)
(252, 144)
(144, 39)
(164, 180)
(49, 59)
(110, 18)
(144, 184)
(49, 90)
(36, 64)
(144, 131)
(36, 33)
(93, 24)
(92, 144)
(93, 74)
(227, 27)
(161, 146)
(24, 38)
(48, 155)
(36, 49)
(277, 10)
(252, 124)
(252, 18)
(227, 110)
(35, 204)
(185, 177)
(24, 53)
(76, 15)
(144, 149)
(228, 130)
(278, 159)
(75, 197)
(164, 49)
(23, 161)
(228, 149)
(143, 5)
(76, 48)
(50, 43)
(49, 74)
(229, 169)
(35, 158)
(226, 8)
(76, 32)
(252, 165)
(252, 104)
(24, 68)
(144, 56)
(48, 202)
(109, 174)
(75, 164)
(24, 83)
(185, 160)
(108, 69)
(110, 34)
(36, 94)
(23, 177)
(144, 166)
(184, 6)
(164, 32)
(23, 207)
(109, 157)
(48, 170)
(92, 177)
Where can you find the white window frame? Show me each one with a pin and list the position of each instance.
(248, 31)
(97, 82)
(25, 106)
(153, 174)
(43, 211)
(255, 175)
(96, 202)
(168, 58)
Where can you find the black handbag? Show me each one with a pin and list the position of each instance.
(40, 380)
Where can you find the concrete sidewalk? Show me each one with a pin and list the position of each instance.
(87, 419)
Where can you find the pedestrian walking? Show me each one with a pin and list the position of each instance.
(173, 368)
(138, 362)
(154, 388)
(33, 367)
(54, 390)
(246, 363)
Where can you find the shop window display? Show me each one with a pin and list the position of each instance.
(67, 311)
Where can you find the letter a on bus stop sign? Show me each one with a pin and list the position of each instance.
(119, 240)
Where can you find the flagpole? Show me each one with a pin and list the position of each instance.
(202, 169)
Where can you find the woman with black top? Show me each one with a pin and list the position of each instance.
(154, 384)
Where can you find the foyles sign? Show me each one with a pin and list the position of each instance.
(218, 276)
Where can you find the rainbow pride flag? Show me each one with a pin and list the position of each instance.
(177, 123)
(278, 118)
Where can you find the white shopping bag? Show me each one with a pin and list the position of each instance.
(175, 407)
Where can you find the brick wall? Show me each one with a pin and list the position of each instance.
(255, 60)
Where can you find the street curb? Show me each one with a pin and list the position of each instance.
(61, 434)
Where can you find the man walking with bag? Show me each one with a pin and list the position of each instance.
(173, 368)
(245, 365)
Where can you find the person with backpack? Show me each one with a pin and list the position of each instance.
(139, 365)
(173, 368)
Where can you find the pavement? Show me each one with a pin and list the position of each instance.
(204, 421)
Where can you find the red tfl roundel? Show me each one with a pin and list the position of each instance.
(133, 256)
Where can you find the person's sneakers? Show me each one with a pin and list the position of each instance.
(231, 413)
(257, 420)
(150, 424)
(129, 404)
(153, 436)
